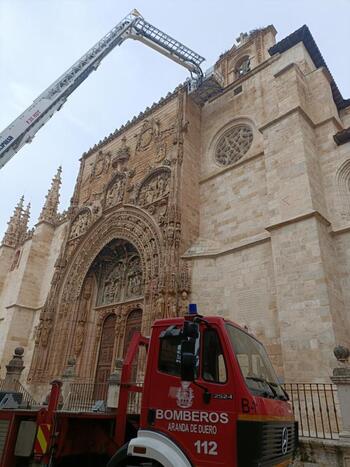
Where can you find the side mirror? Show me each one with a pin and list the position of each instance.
(188, 362)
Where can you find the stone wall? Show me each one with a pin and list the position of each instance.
(322, 453)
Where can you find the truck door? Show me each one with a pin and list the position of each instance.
(199, 415)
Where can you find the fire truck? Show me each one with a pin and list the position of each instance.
(210, 397)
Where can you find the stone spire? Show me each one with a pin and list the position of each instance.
(49, 211)
(13, 232)
(24, 224)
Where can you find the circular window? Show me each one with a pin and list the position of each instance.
(233, 144)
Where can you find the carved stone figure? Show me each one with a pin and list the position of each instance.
(80, 224)
(160, 306)
(45, 332)
(79, 337)
(38, 331)
(183, 307)
(154, 188)
(115, 192)
(85, 299)
(171, 310)
(122, 156)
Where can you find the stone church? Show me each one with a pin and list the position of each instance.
(237, 199)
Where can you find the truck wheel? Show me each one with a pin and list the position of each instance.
(142, 463)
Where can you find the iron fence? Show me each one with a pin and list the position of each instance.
(135, 399)
(316, 408)
(86, 397)
(15, 386)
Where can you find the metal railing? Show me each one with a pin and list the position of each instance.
(16, 386)
(316, 408)
(135, 399)
(86, 397)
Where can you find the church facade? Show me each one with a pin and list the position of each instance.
(239, 202)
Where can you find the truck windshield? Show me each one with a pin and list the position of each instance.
(255, 365)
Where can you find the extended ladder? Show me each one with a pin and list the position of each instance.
(23, 129)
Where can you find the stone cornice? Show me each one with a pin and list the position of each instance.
(298, 109)
(26, 307)
(341, 230)
(299, 218)
(247, 243)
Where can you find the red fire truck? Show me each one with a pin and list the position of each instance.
(210, 398)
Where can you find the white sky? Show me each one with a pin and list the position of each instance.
(40, 39)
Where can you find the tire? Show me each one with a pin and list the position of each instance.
(137, 462)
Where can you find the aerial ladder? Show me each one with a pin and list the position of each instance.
(23, 129)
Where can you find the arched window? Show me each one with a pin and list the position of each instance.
(242, 66)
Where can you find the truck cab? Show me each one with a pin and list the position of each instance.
(210, 398)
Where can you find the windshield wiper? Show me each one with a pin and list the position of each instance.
(269, 384)
(276, 385)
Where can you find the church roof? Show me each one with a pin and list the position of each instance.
(304, 35)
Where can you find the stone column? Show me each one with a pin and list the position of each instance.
(341, 378)
(68, 377)
(14, 370)
(114, 385)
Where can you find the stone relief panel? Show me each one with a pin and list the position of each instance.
(115, 191)
(93, 180)
(119, 271)
(154, 188)
(149, 131)
(80, 224)
(152, 137)
(233, 144)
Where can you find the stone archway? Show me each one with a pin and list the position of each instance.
(104, 321)
(129, 224)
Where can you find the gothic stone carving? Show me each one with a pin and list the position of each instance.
(154, 188)
(120, 272)
(80, 224)
(233, 144)
(149, 130)
(115, 191)
(151, 135)
(121, 157)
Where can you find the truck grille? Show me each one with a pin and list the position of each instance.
(265, 443)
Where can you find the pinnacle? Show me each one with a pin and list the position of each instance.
(49, 210)
(17, 225)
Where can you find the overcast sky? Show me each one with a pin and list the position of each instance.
(40, 39)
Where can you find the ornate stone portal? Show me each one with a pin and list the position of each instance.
(120, 266)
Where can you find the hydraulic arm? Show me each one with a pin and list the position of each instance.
(23, 129)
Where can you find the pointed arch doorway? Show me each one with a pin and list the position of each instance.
(119, 277)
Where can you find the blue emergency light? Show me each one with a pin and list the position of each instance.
(192, 309)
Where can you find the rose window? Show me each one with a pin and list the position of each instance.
(233, 144)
